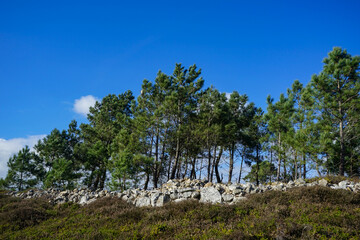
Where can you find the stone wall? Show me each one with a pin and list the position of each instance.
(176, 191)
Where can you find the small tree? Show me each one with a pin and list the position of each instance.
(24, 170)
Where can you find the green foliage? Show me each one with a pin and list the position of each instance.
(336, 91)
(176, 129)
(24, 171)
(264, 172)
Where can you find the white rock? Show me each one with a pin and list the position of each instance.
(227, 197)
(210, 195)
(343, 184)
(323, 182)
(142, 202)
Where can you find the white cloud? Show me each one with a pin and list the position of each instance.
(12, 146)
(82, 105)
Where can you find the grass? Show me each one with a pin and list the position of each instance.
(300, 213)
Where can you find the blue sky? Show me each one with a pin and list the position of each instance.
(56, 52)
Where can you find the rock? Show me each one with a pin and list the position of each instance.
(239, 192)
(180, 200)
(343, 184)
(323, 182)
(238, 199)
(182, 190)
(142, 202)
(291, 183)
(227, 197)
(91, 200)
(209, 184)
(249, 188)
(174, 195)
(163, 198)
(278, 187)
(233, 187)
(210, 195)
(84, 199)
(186, 195)
(195, 195)
(299, 181)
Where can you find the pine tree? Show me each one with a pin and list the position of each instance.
(24, 170)
(106, 119)
(279, 124)
(336, 90)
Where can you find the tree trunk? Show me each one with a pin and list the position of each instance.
(279, 159)
(342, 149)
(218, 178)
(156, 165)
(103, 178)
(231, 164)
(304, 172)
(241, 166)
(209, 164)
(257, 165)
(213, 165)
(177, 156)
(147, 181)
(193, 170)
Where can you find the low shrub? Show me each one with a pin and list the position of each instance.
(299, 213)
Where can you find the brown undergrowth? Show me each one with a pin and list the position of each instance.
(300, 213)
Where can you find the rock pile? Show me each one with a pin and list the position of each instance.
(177, 191)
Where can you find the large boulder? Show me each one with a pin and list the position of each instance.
(158, 199)
(142, 202)
(210, 195)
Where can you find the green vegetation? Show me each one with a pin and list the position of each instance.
(177, 129)
(300, 213)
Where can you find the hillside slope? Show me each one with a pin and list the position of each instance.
(299, 213)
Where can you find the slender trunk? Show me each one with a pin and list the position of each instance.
(295, 176)
(162, 159)
(300, 168)
(156, 165)
(147, 181)
(97, 180)
(186, 168)
(271, 160)
(231, 164)
(342, 149)
(209, 163)
(103, 178)
(218, 178)
(213, 165)
(177, 156)
(241, 166)
(193, 170)
(21, 181)
(304, 172)
(169, 168)
(279, 160)
(91, 177)
(341, 132)
(257, 165)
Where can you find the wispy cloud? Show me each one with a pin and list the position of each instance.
(82, 105)
(12, 146)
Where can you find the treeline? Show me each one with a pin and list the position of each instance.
(177, 129)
